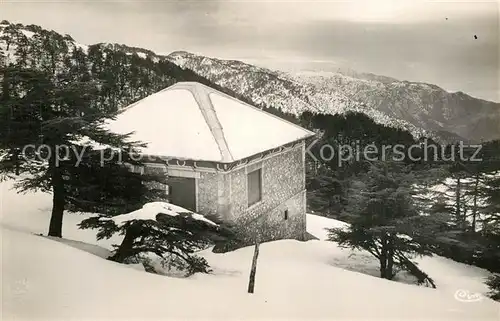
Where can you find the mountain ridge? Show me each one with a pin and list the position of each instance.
(424, 110)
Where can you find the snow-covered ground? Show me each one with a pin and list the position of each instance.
(44, 279)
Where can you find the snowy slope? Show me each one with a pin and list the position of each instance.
(48, 280)
(450, 276)
(30, 39)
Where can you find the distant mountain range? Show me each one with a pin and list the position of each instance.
(422, 109)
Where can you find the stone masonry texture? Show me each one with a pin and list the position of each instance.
(224, 195)
(283, 188)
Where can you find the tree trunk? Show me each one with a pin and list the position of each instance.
(251, 281)
(17, 162)
(474, 209)
(383, 258)
(390, 258)
(58, 203)
(458, 210)
(126, 247)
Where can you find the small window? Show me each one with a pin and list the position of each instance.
(254, 187)
(286, 215)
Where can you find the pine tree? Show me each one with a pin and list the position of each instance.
(491, 187)
(476, 211)
(462, 196)
(491, 217)
(163, 229)
(328, 183)
(46, 120)
(386, 221)
(493, 283)
(325, 192)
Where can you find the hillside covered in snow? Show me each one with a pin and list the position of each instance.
(49, 279)
(122, 75)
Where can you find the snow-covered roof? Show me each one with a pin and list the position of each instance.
(192, 121)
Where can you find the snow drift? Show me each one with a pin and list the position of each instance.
(47, 280)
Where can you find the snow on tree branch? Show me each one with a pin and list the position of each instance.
(164, 229)
(150, 212)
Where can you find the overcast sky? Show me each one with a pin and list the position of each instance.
(430, 41)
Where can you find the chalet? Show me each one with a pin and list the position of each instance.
(223, 157)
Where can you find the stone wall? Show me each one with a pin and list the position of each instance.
(208, 186)
(273, 225)
(283, 188)
(224, 195)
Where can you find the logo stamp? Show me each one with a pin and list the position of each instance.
(467, 296)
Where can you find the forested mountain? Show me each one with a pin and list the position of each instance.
(126, 74)
(423, 109)
(423, 105)
(284, 92)
(122, 74)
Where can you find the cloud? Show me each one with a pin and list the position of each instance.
(381, 11)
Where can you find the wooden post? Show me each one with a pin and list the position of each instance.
(253, 270)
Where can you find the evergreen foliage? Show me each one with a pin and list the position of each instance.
(47, 121)
(494, 284)
(175, 233)
(55, 97)
(55, 92)
(386, 221)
